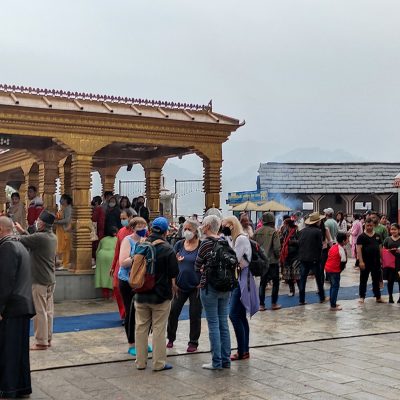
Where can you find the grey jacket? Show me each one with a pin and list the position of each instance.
(42, 247)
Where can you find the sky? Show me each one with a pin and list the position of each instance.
(302, 73)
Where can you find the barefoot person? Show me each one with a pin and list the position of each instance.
(16, 309)
(335, 264)
(369, 247)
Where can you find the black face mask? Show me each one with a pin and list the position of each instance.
(226, 231)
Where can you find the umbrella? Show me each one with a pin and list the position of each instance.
(246, 206)
(273, 206)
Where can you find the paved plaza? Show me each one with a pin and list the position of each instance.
(297, 353)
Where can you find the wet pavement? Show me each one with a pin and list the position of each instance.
(299, 352)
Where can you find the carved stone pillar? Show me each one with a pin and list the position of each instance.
(108, 175)
(81, 168)
(48, 173)
(212, 183)
(211, 154)
(152, 171)
(64, 172)
(3, 195)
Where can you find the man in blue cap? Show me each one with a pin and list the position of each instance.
(153, 306)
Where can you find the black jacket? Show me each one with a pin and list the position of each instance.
(310, 244)
(15, 279)
(166, 268)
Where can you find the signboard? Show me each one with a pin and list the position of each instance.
(240, 197)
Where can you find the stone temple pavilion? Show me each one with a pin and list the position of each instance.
(50, 134)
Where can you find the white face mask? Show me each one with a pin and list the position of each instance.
(188, 235)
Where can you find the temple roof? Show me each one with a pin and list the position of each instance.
(20, 96)
(315, 178)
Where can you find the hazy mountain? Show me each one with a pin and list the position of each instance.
(240, 170)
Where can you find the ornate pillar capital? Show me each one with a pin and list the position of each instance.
(78, 144)
(108, 175)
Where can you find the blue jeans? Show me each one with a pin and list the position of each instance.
(237, 315)
(216, 305)
(334, 278)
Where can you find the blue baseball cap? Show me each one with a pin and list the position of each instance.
(160, 225)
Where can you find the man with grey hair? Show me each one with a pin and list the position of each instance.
(16, 309)
(215, 302)
(42, 246)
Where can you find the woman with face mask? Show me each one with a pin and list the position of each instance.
(187, 281)
(138, 227)
(244, 297)
(112, 216)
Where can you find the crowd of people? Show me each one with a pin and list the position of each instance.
(211, 264)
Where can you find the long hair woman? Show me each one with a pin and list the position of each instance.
(244, 297)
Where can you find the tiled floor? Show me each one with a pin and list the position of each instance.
(297, 353)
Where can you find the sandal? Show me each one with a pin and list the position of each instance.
(237, 356)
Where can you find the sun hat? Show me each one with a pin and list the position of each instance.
(314, 218)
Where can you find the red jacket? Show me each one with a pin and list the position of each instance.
(336, 256)
(99, 217)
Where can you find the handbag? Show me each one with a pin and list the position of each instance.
(388, 259)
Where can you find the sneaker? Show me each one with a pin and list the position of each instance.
(291, 294)
(261, 308)
(380, 300)
(191, 348)
(170, 344)
(132, 351)
(210, 367)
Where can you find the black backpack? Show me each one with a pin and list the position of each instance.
(222, 267)
(259, 264)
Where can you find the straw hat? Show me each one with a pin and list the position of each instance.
(314, 218)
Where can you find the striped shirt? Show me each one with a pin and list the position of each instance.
(203, 255)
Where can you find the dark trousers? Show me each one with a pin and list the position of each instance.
(334, 279)
(15, 374)
(127, 296)
(376, 274)
(391, 275)
(195, 309)
(237, 315)
(272, 274)
(305, 269)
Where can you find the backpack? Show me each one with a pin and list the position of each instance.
(222, 267)
(142, 277)
(259, 264)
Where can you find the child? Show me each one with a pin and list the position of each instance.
(335, 264)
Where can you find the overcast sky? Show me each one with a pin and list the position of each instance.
(302, 73)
